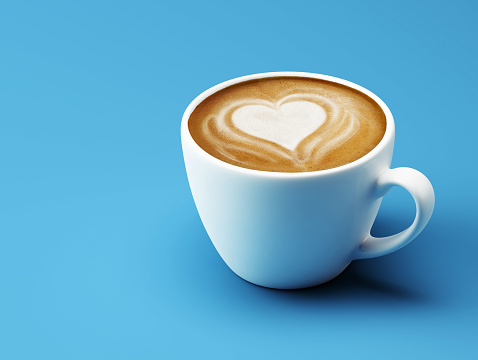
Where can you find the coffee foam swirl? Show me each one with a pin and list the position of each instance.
(296, 130)
(337, 127)
(285, 123)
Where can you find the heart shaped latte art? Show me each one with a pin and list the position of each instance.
(285, 124)
(296, 130)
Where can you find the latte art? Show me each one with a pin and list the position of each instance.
(287, 124)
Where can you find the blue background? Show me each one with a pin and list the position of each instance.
(102, 252)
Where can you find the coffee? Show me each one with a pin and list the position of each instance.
(287, 124)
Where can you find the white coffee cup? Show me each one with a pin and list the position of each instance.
(296, 230)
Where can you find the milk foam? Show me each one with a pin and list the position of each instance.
(284, 123)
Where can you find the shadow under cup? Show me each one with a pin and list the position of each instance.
(300, 229)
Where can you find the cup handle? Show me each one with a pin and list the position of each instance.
(422, 192)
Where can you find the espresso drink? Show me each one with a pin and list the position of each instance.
(287, 124)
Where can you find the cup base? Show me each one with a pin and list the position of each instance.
(282, 285)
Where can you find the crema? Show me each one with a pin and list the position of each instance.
(287, 124)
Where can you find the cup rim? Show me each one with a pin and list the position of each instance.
(387, 137)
